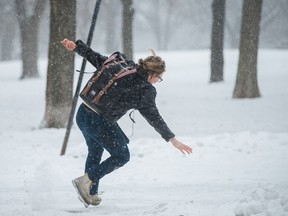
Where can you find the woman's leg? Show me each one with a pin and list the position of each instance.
(114, 141)
(95, 152)
(106, 135)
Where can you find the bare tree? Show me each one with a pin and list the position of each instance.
(160, 16)
(273, 16)
(274, 28)
(111, 13)
(232, 23)
(60, 72)
(83, 17)
(217, 40)
(28, 14)
(246, 83)
(127, 28)
(8, 22)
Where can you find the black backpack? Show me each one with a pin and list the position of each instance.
(105, 81)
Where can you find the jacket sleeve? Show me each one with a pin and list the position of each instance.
(96, 59)
(150, 112)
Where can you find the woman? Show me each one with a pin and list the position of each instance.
(99, 124)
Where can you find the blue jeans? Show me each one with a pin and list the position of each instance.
(99, 135)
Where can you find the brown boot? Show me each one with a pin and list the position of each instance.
(82, 186)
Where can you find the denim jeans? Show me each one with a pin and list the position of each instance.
(99, 135)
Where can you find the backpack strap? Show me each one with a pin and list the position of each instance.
(109, 61)
(122, 73)
(126, 72)
(111, 58)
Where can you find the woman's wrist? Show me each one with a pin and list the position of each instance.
(172, 140)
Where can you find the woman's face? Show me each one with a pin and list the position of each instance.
(153, 79)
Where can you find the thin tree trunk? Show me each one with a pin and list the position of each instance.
(246, 83)
(60, 72)
(29, 37)
(217, 59)
(8, 36)
(167, 24)
(111, 39)
(29, 49)
(127, 28)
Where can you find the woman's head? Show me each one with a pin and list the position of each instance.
(153, 65)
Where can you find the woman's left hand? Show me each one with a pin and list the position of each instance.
(181, 146)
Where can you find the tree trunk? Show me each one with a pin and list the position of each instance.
(111, 20)
(8, 36)
(29, 49)
(246, 83)
(217, 59)
(60, 72)
(29, 36)
(167, 24)
(127, 28)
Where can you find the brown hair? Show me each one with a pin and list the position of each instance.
(152, 64)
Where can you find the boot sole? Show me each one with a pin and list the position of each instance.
(96, 203)
(74, 182)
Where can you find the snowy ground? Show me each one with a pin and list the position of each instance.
(239, 165)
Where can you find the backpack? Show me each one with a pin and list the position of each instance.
(96, 92)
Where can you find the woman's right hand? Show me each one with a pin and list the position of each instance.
(68, 44)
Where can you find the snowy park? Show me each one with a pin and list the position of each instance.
(239, 164)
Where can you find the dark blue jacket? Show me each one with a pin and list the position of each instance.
(132, 92)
